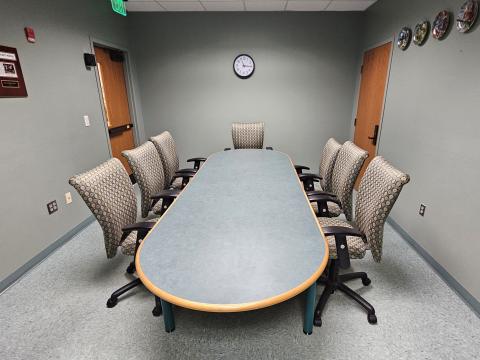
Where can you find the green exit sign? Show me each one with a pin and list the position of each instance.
(119, 7)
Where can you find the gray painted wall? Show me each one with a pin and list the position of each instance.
(430, 129)
(43, 139)
(302, 87)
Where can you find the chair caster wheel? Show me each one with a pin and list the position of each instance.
(112, 302)
(317, 322)
(372, 318)
(157, 311)
(131, 268)
(366, 281)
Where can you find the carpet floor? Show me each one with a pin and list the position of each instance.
(57, 311)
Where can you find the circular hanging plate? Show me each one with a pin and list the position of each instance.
(404, 38)
(421, 33)
(467, 16)
(441, 24)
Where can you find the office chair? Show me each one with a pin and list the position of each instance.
(147, 169)
(248, 135)
(378, 192)
(108, 193)
(327, 163)
(166, 148)
(347, 166)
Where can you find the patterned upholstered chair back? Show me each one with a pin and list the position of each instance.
(349, 161)
(248, 135)
(168, 154)
(147, 168)
(329, 156)
(379, 189)
(108, 193)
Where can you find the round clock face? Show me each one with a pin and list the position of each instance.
(243, 66)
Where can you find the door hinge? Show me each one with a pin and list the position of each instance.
(361, 70)
(355, 122)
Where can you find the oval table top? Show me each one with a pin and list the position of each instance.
(241, 236)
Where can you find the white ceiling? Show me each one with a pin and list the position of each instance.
(249, 5)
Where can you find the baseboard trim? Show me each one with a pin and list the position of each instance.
(36, 260)
(468, 298)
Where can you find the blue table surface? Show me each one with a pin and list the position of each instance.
(242, 231)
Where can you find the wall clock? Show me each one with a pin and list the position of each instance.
(243, 66)
(467, 16)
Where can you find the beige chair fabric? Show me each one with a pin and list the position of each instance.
(165, 146)
(108, 193)
(147, 168)
(345, 172)
(379, 190)
(327, 163)
(248, 135)
(357, 248)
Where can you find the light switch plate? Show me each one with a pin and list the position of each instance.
(423, 207)
(86, 119)
(68, 198)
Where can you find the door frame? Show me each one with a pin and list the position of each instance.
(128, 82)
(358, 87)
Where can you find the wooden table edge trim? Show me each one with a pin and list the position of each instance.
(226, 308)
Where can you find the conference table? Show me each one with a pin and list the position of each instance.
(241, 236)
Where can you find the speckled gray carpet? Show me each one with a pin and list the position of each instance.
(58, 311)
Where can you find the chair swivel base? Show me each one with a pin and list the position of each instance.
(333, 281)
(131, 268)
(113, 300)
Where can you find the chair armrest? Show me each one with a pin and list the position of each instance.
(300, 168)
(186, 171)
(340, 233)
(321, 193)
(308, 181)
(269, 148)
(227, 149)
(185, 177)
(142, 229)
(322, 203)
(166, 194)
(197, 161)
(147, 225)
(324, 198)
(315, 177)
(342, 230)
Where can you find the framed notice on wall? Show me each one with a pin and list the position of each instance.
(12, 83)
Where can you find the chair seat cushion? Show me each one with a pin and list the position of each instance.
(333, 208)
(128, 245)
(356, 246)
(317, 186)
(157, 208)
(177, 184)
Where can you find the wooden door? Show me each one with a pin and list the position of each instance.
(110, 67)
(371, 99)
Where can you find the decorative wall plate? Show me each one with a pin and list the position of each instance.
(404, 38)
(441, 24)
(467, 16)
(421, 33)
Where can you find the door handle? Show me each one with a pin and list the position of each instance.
(119, 129)
(374, 138)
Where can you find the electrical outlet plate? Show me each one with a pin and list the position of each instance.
(86, 119)
(68, 198)
(52, 207)
(423, 207)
